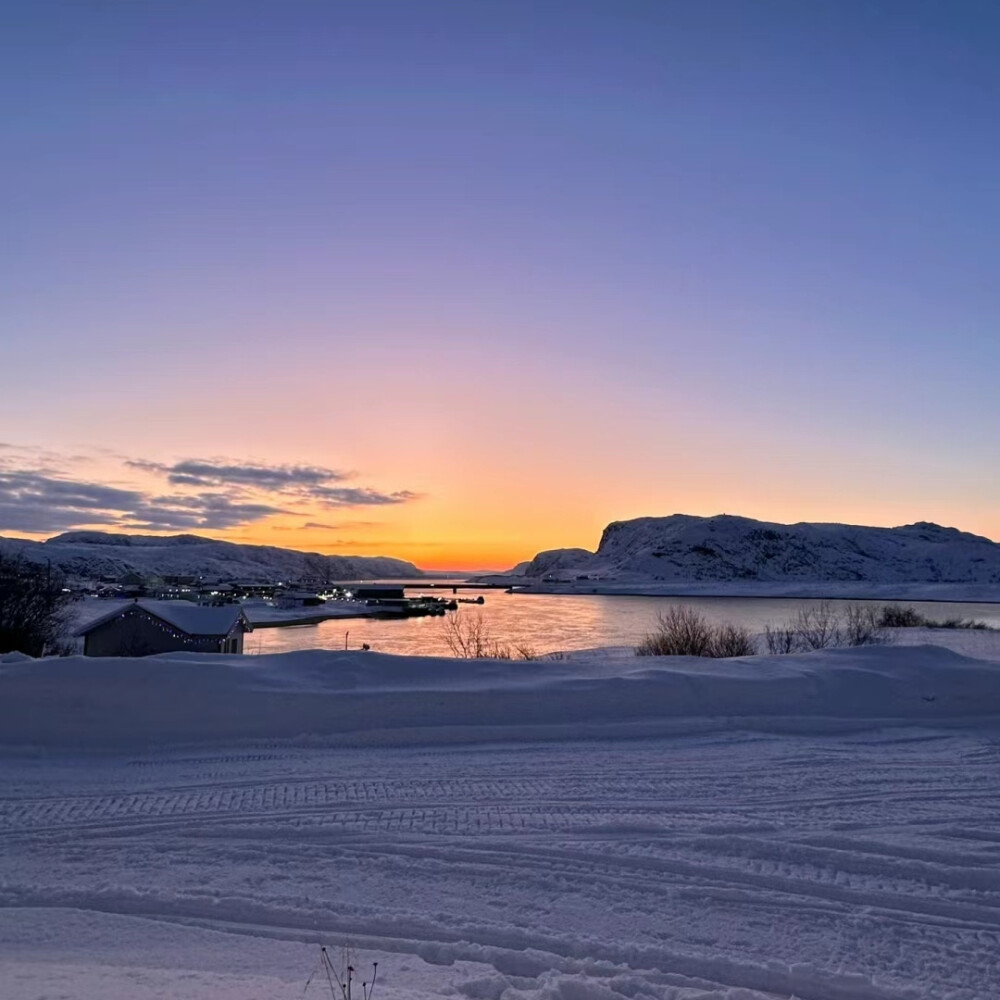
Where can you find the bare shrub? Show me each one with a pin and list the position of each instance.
(732, 640)
(682, 631)
(958, 623)
(818, 627)
(896, 616)
(862, 626)
(468, 636)
(780, 639)
(821, 627)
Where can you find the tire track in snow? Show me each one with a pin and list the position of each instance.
(866, 857)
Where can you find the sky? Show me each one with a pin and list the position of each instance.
(461, 281)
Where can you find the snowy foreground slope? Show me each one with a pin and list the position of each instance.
(824, 827)
(763, 557)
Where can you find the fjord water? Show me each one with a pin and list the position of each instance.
(550, 622)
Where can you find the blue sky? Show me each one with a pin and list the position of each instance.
(625, 258)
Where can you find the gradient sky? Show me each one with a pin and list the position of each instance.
(459, 281)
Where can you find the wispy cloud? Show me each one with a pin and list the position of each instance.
(38, 459)
(28, 487)
(39, 497)
(346, 496)
(197, 472)
(34, 501)
(307, 483)
(203, 511)
(347, 544)
(340, 525)
(49, 520)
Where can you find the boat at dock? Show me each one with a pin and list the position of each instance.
(410, 607)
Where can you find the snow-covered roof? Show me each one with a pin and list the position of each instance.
(193, 619)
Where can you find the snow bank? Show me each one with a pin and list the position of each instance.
(357, 698)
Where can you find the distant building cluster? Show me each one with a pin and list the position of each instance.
(198, 590)
(152, 614)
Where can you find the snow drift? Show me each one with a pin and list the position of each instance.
(356, 698)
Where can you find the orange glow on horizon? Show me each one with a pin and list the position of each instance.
(500, 547)
(502, 486)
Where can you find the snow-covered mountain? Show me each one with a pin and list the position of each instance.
(96, 554)
(727, 548)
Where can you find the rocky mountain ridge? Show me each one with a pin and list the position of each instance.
(725, 548)
(98, 554)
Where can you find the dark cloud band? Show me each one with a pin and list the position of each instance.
(229, 495)
(196, 472)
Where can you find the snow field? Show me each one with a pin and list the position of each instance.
(856, 859)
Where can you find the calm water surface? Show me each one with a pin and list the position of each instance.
(550, 622)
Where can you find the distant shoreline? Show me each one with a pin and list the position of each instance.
(927, 593)
(308, 620)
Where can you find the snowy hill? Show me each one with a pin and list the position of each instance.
(727, 548)
(95, 554)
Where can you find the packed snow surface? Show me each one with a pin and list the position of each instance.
(820, 827)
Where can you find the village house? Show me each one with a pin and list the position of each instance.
(143, 628)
